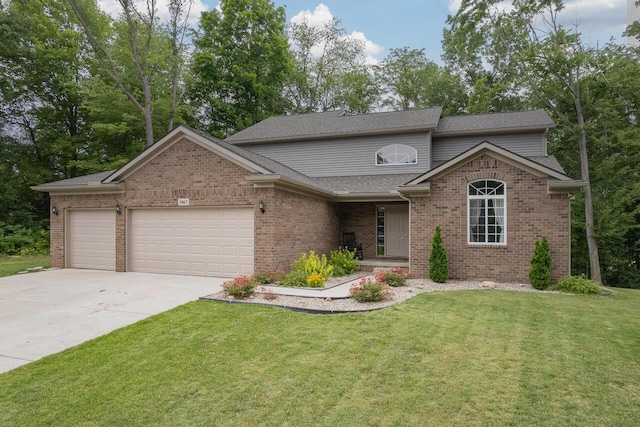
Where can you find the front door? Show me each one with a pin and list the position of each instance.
(396, 230)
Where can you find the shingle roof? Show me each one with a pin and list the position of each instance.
(80, 180)
(501, 122)
(364, 183)
(336, 123)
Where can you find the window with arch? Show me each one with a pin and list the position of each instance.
(396, 154)
(487, 212)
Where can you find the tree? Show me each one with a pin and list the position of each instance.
(546, 62)
(240, 65)
(438, 263)
(540, 272)
(410, 80)
(144, 38)
(330, 70)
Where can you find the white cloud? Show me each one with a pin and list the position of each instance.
(322, 15)
(113, 9)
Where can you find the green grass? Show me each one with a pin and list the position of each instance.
(10, 265)
(453, 358)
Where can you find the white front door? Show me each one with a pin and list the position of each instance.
(396, 230)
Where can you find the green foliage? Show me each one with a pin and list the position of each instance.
(268, 276)
(540, 272)
(438, 262)
(395, 277)
(18, 240)
(316, 280)
(240, 288)
(367, 290)
(578, 285)
(344, 262)
(313, 264)
(294, 279)
(240, 63)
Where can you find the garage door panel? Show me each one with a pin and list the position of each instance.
(91, 239)
(195, 241)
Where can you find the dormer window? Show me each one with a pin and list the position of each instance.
(396, 154)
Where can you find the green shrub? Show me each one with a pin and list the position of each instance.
(540, 273)
(313, 264)
(578, 285)
(438, 262)
(19, 240)
(241, 287)
(395, 277)
(268, 276)
(344, 262)
(294, 279)
(367, 290)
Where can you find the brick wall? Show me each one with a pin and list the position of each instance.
(531, 213)
(292, 224)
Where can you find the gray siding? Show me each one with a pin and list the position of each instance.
(525, 144)
(345, 156)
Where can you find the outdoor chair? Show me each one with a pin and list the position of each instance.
(349, 242)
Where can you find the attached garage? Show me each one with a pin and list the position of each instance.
(193, 241)
(91, 239)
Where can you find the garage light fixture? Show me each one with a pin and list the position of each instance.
(261, 206)
(118, 210)
(54, 210)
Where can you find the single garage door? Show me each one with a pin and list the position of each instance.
(192, 241)
(91, 239)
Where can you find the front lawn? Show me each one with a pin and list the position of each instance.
(10, 265)
(451, 358)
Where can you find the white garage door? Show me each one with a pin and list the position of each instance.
(192, 241)
(91, 239)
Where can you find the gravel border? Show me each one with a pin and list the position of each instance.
(345, 305)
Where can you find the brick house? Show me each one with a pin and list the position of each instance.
(193, 204)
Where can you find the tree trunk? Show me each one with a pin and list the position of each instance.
(592, 243)
(148, 110)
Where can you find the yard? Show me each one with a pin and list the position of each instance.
(10, 265)
(450, 358)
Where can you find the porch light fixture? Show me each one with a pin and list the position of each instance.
(54, 210)
(118, 210)
(261, 206)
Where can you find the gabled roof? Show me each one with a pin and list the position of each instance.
(334, 124)
(517, 121)
(557, 181)
(83, 184)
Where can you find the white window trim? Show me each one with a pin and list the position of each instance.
(375, 156)
(485, 197)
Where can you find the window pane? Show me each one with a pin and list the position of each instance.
(396, 154)
(487, 212)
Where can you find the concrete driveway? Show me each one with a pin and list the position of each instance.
(46, 312)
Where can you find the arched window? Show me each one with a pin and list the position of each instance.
(487, 212)
(396, 154)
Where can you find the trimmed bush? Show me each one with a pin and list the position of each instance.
(294, 279)
(578, 285)
(438, 262)
(540, 273)
(367, 290)
(313, 264)
(240, 288)
(344, 262)
(395, 277)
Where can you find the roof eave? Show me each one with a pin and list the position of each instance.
(565, 187)
(64, 190)
(422, 190)
(516, 129)
(285, 183)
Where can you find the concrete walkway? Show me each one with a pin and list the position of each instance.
(47, 312)
(335, 292)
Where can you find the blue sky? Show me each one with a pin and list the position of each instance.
(388, 24)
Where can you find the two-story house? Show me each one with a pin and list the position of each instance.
(193, 204)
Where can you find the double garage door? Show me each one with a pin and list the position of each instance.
(191, 241)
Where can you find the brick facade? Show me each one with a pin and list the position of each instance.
(291, 224)
(531, 213)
